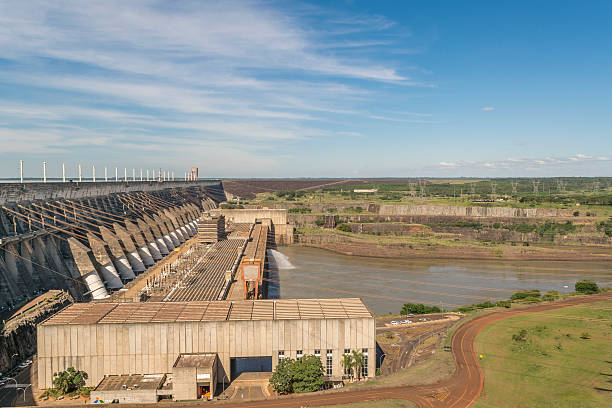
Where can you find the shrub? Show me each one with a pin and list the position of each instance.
(418, 308)
(521, 336)
(307, 374)
(302, 375)
(282, 379)
(485, 305)
(69, 380)
(344, 228)
(605, 227)
(576, 213)
(524, 294)
(300, 210)
(587, 287)
(503, 303)
(320, 222)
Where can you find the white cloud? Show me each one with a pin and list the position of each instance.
(488, 108)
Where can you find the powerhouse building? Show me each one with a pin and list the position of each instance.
(201, 344)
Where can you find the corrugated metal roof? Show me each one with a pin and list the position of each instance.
(210, 311)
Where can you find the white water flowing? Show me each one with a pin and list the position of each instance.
(279, 260)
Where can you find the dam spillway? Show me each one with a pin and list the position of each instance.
(92, 238)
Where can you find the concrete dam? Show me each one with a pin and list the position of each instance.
(90, 239)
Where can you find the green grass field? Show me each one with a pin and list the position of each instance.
(556, 359)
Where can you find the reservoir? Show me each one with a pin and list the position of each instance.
(386, 284)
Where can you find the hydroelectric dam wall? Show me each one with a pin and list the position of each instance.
(91, 238)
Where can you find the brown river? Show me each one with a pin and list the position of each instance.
(386, 284)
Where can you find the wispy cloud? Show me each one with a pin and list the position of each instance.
(532, 164)
(488, 108)
(232, 71)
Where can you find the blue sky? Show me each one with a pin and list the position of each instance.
(296, 89)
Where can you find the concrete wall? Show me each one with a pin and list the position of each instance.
(278, 216)
(16, 192)
(184, 385)
(150, 348)
(449, 210)
(283, 232)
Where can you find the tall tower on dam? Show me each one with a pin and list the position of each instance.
(92, 238)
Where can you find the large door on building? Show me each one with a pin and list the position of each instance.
(241, 365)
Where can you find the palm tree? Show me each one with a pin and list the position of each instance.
(347, 363)
(358, 362)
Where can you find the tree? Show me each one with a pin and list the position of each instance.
(358, 362)
(282, 378)
(587, 287)
(307, 373)
(347, 363)
(69, 380)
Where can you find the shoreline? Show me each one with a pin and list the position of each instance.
(466, 253)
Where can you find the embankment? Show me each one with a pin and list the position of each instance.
(379, 248)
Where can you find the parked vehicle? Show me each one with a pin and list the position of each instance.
(394, 322)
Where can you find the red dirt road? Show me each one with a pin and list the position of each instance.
(459, 391)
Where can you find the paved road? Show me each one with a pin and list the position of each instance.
(11, 396)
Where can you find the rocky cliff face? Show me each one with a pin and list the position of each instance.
(18, 336)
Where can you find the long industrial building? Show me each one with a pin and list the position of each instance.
(122, 339)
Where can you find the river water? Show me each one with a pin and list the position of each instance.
(386, 284)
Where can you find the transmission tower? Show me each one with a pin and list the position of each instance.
(412, 187)
(493, 188)
(560, 185)
(473, 188)
(514, 187)
(596, 186)
(422, 187)
(536, 185)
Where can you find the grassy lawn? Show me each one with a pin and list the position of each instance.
(548, 364)
(392, 403)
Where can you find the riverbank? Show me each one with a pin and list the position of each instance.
(427, 247)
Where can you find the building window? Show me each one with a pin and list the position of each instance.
(364, 369)
(318, 353)
(347, 351)
(299, 354)
(281, 355)
(328, 362)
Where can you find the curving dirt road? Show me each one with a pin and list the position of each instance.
(459, 391)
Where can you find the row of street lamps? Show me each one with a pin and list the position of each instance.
(162, 175)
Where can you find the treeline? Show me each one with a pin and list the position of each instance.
(584, 287)
(542, 229)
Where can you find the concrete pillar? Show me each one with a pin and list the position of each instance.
(106, 268)
(117, 254)
(10, 260)
(55, 260)
(37, 278)
(141, 244)
(81, 255)
(148, 238)
(169, 214)
(9, 290)
(52, 280)
(156, 232)
(170, 243)
(127, 242)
